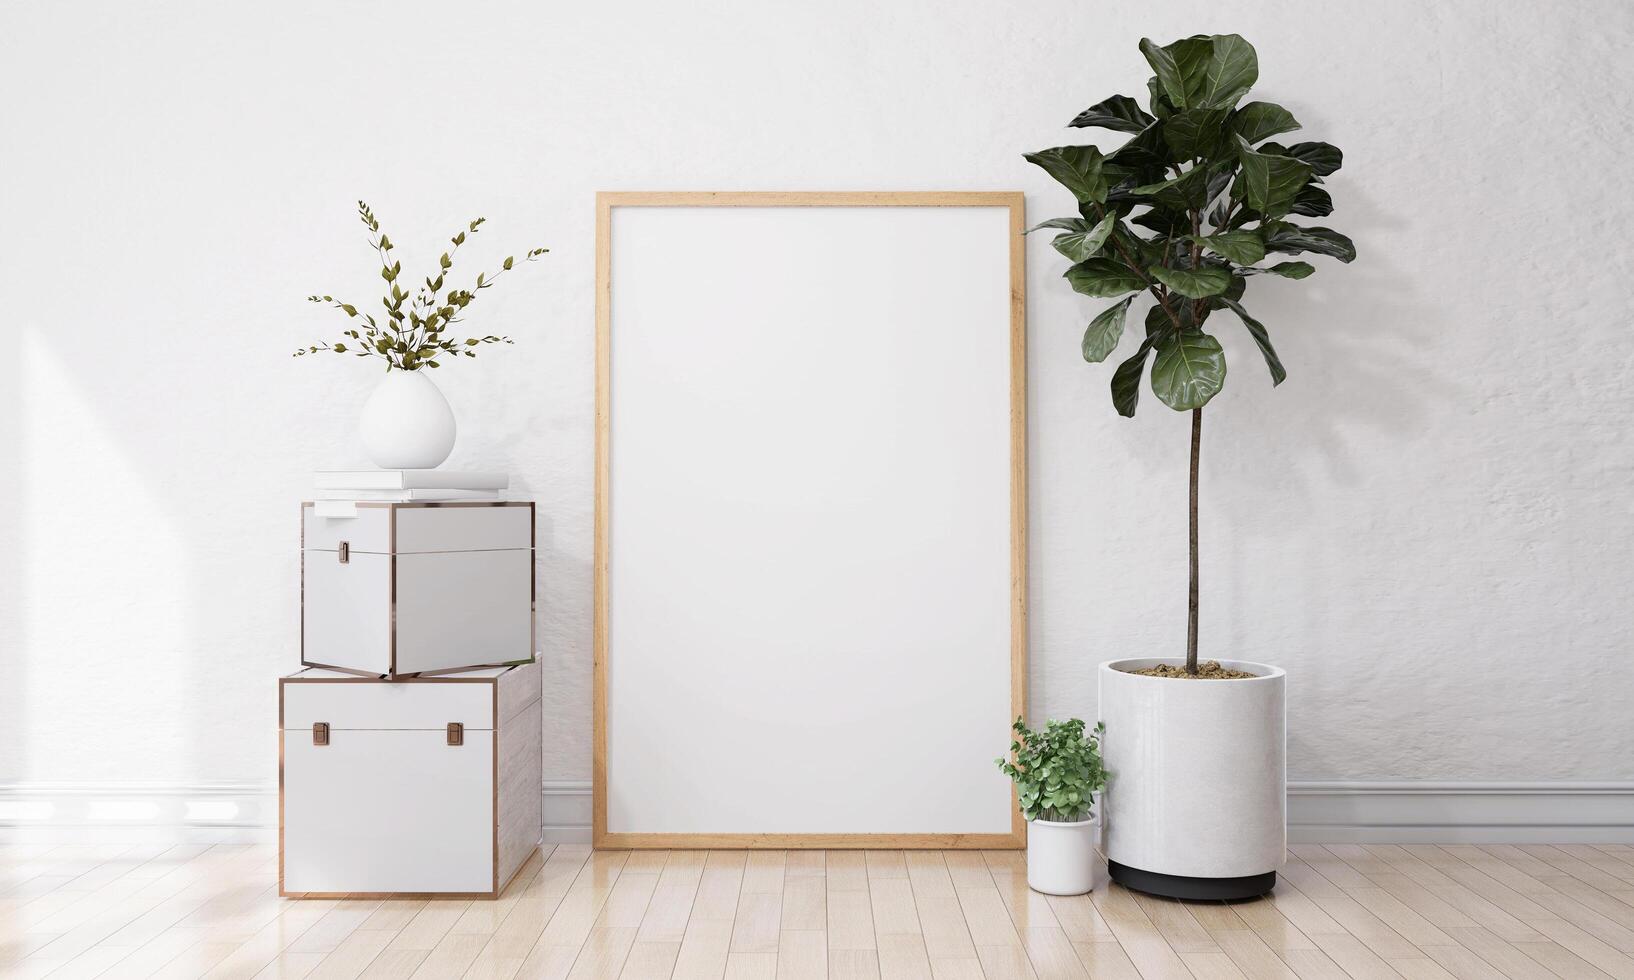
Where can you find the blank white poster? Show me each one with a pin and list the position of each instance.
(808, 588)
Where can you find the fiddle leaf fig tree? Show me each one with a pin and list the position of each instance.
(1198, 201)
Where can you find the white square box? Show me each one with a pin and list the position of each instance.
(417, 587)
(379, 795)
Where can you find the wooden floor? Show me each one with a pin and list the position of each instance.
(1529, 911)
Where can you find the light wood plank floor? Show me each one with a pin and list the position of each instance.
(1528, 911)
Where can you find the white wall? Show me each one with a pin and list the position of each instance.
(1428, 525)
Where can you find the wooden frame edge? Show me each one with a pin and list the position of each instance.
(604, 318)
(1016, 202)
(1018, 484)
(831, 199)
(835, 841)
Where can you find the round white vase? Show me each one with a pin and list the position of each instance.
(1197, 785)
(406, 423)
(1061, 856)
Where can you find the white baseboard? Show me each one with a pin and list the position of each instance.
(1425, 812)
(1461, 812)
(1318, 812)
(567, 811)
(138, 813)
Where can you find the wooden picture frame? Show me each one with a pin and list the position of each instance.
(606, 202)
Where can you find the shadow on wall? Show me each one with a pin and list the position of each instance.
(1291, 476)
(566, 668)
(1285, 487)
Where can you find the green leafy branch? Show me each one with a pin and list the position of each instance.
(418, 336)
(1057, 771)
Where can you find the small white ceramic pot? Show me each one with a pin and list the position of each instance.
(407, 424)
(1197, 786)
(1061, 856)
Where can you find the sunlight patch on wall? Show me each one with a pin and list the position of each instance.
(96, 537)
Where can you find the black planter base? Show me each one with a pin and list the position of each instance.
(1194, 889)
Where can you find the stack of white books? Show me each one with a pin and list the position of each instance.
(408, 486)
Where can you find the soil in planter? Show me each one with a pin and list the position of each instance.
(1207, 670)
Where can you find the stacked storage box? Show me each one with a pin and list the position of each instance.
(410, 744)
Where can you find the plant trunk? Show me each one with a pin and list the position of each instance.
(1191, 601)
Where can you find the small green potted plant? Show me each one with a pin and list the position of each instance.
(1057, 772)
(406, 423)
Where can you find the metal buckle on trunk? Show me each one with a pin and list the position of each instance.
(456, 733)
(320, 733)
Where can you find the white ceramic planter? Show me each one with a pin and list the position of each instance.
(1061, 856)
(1196, 798)
(406, 423)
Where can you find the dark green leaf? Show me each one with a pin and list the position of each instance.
(1269, 183)
(1196, 132)
(1262, 120)
(1077, 168)
(1324, 158)
(1104, 277)
(1166, 69)
(1134, 248)
(1105, 331)
(1081, 245)
(1189, 370)
(1126, 381)
(1159, 321)
(1193, 283)
(1182, 193)
(1191, 56)
(1232, 70)
(1159, 103)
(1262, 338)
(1119, 112)
(1313, 202)
(1281, 236)
(1292, 270)
(1241, 247)
(1164, 221)
(1144, 152)
(1065, 224)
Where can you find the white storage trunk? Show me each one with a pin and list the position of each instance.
(415, 588)
(378, 794)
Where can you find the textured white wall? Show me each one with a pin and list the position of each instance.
(1428, 525)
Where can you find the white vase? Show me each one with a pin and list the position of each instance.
(406, 423)
(1196, 797)
(1061, 856)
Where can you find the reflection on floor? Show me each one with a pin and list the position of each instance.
(1362, 911)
